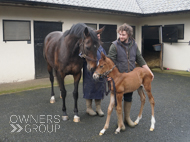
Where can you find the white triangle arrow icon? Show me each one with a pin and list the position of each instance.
(20, 128)
(14, 128)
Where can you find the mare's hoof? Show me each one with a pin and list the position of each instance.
(52, 101)
(65, 118)
(76, 119)
(151, 129)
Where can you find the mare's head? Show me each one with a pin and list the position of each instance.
(89, 46)
(103, 67)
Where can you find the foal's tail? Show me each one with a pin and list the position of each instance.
(152, 76)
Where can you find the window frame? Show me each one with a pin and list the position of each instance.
(29, 22)
(88, 24)
(176, 25)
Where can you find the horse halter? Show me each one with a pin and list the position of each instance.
(106, 73)
(83, 55)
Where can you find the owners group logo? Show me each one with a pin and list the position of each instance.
(38, 123)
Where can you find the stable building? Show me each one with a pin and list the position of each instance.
(160, 29)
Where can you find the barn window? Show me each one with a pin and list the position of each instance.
(180, 29)
(108, 36)
(93, 26)
(14, 30)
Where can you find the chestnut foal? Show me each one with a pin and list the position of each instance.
(124, 83)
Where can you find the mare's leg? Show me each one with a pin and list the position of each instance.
(142, 98)
(60, 79)
(147, 86)
(121, 125)
(110, 109)
(51, 77)
(75, 96)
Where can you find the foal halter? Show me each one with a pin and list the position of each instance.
(106, 73)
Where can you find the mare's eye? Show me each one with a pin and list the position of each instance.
(88, 48)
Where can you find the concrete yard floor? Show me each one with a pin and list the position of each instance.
(28, 116)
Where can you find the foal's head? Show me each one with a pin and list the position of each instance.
(89, 47)
(104, 67)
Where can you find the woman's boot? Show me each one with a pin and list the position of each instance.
(89, 109)
(98, 107)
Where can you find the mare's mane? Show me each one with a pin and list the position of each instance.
(78, 31)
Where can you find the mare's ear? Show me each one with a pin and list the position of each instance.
(100, 30)
(103, 56)
(86, 32)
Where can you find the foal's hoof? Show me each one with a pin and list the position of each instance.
(65, 118)
(116, 132)
(76, 119)
(100, 134)
(151, 129)
(135, 123)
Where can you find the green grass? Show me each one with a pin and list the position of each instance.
(69, 80)
(21, 87)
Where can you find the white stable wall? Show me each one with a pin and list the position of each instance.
(17, 57)
(175, 55)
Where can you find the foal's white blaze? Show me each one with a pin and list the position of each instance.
(153, 121)
(137, 120)
(52, 100)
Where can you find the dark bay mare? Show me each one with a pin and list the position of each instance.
(62, 50)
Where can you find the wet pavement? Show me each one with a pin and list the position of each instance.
(28, 116)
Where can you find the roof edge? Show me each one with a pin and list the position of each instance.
(81, 8)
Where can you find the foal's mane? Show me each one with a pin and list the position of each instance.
(111, 60)
(78, 31)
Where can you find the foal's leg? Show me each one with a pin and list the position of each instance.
(51, 77)
(121, 125)
(110, 109)
(142, 97)
(147, 87)
(60, 79)
(75, 95)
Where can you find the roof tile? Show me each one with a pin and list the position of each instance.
(134, 6)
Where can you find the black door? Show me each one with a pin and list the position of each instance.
(108, 35)
(41, 29)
